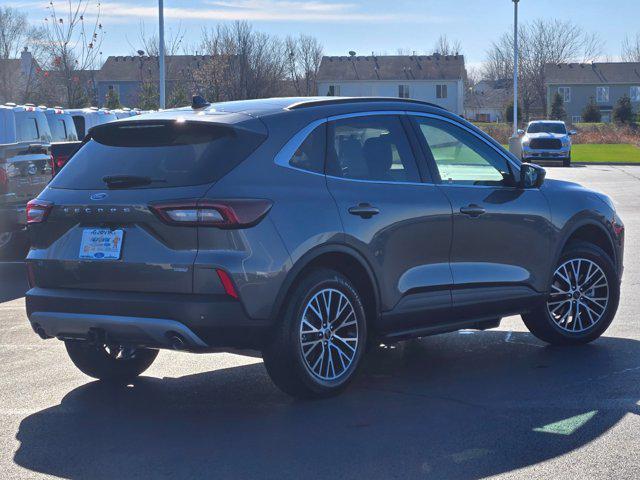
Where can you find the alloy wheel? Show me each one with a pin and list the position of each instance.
(579, 295)
(328, 334)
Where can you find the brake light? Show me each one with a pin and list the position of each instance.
(232, 213)
(38, 211)
(61, 161)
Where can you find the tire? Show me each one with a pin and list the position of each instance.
(553, 323)
(566, 162)
(328, 360)
(95, 361)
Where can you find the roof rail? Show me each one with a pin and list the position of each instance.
(314, 102)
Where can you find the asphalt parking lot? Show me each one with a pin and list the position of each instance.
(497, 404)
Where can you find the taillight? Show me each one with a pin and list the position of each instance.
(61, 161)
(38, 211)
(232, 213)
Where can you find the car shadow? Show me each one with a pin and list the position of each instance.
(13, 280)
(464, 405)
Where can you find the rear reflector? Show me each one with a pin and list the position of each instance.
(38, 211)
(227, 283)
(232, 213)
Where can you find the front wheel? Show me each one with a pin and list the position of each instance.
(319, 342)
(582, 300)
(115, 363)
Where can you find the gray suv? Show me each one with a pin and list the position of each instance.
(308, 229)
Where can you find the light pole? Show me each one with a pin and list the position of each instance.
(515, 146)
(515, 67)
(161, 71)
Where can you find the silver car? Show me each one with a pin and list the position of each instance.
(547, 140)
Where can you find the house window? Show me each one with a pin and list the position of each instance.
(334, 91)
(441, 91)
(576, 119)
(634, 93)
(403, 91)
(602, 94)
(565, 93)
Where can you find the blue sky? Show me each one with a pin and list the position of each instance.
(363, 26)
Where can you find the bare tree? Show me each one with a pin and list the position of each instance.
(242, 63)
(73, 46)
(540, 42)
(444, 46)
(631, 48)
(148, 42)
(15, 35)
(303, 57)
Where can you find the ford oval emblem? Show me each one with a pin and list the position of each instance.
(98, 196)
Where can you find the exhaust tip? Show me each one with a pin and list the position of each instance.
(176, 341)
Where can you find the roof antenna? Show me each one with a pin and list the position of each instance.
(199, 102)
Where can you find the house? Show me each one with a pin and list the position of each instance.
(17, 77)
(603, 83)
(127, 74)
(487, 101)
(432, 78)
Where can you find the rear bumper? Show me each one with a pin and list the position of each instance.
(188, 322)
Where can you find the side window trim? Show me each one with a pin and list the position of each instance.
(513, 166)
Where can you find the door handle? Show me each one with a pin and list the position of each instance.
(364, 210)
(472, 210)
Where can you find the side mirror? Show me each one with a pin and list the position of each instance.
(531, 175)
(520, 131)
(572, 132)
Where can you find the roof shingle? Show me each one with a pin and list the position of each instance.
(592, 73)
(392, 67)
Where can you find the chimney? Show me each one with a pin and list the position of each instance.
(26, 62)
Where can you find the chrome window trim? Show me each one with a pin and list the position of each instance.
(285, 154)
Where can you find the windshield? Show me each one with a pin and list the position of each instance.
(156, 155)
(547, 127)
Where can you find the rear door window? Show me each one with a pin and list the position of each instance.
(371, 148)
(26, 127)
(58, 128)
(165, 154)
(79, 122)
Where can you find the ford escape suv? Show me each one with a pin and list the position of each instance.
(308, 228)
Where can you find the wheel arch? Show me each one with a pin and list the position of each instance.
(347, 261)
(589, 231)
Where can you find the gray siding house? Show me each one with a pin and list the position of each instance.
(127, 74)
(431, 78)
(605, 83)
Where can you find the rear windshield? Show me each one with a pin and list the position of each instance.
(167, 154)
(546, 127)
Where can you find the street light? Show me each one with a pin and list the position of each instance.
(515, 146)
(161, 73)
(515, 67)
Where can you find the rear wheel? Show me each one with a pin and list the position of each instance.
(583, 298)
(114, 363)
(319, 343)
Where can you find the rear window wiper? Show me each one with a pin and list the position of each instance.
(124, 181)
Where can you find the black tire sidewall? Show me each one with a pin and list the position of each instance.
(286, 357)
(96, 363)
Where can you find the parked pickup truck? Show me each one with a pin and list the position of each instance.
(83, 120)
(25, 169)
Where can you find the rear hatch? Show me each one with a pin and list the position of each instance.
(101, 233)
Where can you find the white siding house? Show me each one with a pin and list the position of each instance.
(435, 78)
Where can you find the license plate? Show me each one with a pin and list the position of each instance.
(101, 244)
